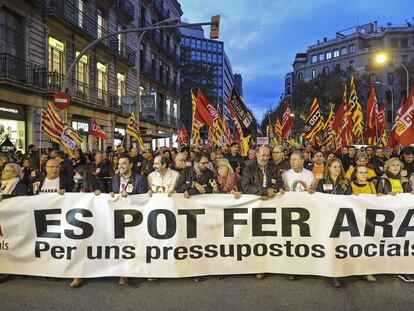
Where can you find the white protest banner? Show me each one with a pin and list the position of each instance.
(82, 235)
(262, 140)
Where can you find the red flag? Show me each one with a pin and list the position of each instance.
(372, 131)
(97, 131)
(287, 122)
(392, 139)
(405, 128)
(205, 112)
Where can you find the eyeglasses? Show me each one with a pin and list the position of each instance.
(362, 172)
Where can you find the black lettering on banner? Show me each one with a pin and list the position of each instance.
(260, 250)
(372, 222)
(368, 248)
(166, 249)
(196, 252)
(229, 220)
(288, 222)
(302, 250)
(87, 229)
(120, 224)
(191, 220)
(170, 224)
(230, 252)
(318, 251)
(341, 252)
(153, 252)
(288, 245)
(180, 253)
(338, 226)
(42, 223)
(128, 252)
(57, 252)
(275, 250)
(258, 221)
(405, 225)
(243, 250)
(210, 251)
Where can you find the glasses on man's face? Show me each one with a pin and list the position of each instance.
(362, 172)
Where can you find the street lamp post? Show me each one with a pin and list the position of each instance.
(93, 43)
(382, 58)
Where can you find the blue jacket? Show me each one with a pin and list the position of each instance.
(139, 184)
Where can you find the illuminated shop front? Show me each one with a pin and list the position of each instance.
(13, 125)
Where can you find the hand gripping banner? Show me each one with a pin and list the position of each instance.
(82, 235)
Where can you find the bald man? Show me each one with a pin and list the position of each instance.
(54, 181)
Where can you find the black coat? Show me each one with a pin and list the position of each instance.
(333, 188)
(188, 177)
(139, 184)
(252, 179)
(20, 190)
(383, 184)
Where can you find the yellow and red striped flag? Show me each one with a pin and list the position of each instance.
(314, 122)
(355, 109)
(60, 131)
(133, 130)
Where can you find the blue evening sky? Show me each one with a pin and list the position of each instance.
(261, 37)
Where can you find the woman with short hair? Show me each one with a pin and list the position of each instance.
(391, 182)
(11, 181)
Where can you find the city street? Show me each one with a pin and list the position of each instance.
(275, 292)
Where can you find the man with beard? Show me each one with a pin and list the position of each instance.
(163, 179)
(196, 179)
(127, 182)
(378, 160)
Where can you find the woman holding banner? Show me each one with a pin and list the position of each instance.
(226, 180)
(391, 182)
(333, 182)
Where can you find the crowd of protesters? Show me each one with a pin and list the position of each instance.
(266, 171)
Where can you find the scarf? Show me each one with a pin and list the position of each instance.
(7, 186)
(227, 183)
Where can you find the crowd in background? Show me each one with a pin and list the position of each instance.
(266, 171)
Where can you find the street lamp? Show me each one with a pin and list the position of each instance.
(381, 58)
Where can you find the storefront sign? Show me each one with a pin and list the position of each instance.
(12, 112)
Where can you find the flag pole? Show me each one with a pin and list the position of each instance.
(40, 149)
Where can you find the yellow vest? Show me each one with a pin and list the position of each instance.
(396, 185)
(368, 188)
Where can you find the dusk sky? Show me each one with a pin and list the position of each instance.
(261, 37)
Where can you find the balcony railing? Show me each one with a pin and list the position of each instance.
(123, 50)
(126, 8)
(160, 116)
(154, 73)
(83, 91)
(17, 69)
(21, 71)
(79, 19)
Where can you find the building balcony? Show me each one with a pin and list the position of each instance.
(83, 92)
(123, 51)
(161, 117)
(152, 72)
(23, 74)
(19, 72)
(82, 23)
(126, 8)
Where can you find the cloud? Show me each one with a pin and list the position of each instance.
(262, 37)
